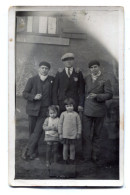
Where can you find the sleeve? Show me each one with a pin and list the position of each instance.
(55, 89)
(81, 89)
(107, 92)
(79, 127)
(57, 124)
(60, 124)
(27, 91)
(45, 125)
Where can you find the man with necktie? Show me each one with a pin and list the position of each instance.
(68, 83)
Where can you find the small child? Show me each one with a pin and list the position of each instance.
(69, 129)
(50, 127)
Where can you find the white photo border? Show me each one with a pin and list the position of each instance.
(11, 120)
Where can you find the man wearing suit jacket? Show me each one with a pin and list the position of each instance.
(97, 91)
(38, 93)
(68, 84)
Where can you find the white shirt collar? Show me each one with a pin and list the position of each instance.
(71, 70)
(42, 77)
(94, 77)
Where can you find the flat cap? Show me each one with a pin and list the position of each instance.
(44, 63)
(94, 62)
(67, 56)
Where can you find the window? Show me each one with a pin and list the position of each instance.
(37, 24)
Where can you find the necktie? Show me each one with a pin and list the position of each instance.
(69, 72)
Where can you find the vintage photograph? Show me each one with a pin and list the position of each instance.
(66, 96)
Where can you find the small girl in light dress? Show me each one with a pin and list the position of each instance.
(69, 129)
(50, 127)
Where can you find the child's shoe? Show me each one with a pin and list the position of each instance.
(72, 162)
(65, 162)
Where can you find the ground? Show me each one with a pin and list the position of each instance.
(107, 168)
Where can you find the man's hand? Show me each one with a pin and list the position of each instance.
(92, 95)
(78, 136)
(38, 97)
(80, 108)
(60, 136)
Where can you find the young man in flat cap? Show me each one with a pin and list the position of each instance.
(38, 93)
(97, 91)
(68, 84)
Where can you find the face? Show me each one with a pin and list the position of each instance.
(69, 108)
(52, 113)
(43, 70)
(68, 63)
(94, 69)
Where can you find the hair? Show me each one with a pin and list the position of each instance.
(93, 63)
(54, 108)
(69, 101)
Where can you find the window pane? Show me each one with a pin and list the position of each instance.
(42, 24)
(51, 25)
(29, 23)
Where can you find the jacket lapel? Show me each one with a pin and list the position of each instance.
(39, 84)
(91, 85)
(65, 74)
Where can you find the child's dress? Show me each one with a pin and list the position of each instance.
(69, 125)
(51, 135)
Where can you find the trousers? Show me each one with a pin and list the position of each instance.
(35, 131)
(91, 140)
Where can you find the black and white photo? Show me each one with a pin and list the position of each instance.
(66, 96)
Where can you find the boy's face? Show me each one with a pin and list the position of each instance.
(69, 108)
(52, 114)
(43, 70)
(94, 69)
(69, 63)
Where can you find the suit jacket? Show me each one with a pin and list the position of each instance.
(96, 107)
(33, 87)
(65, 87)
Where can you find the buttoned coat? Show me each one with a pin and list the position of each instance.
(65, 87)
(96, 107)
(33, 87)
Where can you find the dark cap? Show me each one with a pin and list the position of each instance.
(94, 62)
(44, 63)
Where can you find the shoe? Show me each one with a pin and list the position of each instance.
(65, 162)
(85, 160)
(72, 162)
(33, 156)
(24, 153)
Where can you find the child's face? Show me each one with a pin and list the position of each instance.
(69, 108)
(52, 113)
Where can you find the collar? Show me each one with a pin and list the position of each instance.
(94, 77)
(71, 69)
(42, 77)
